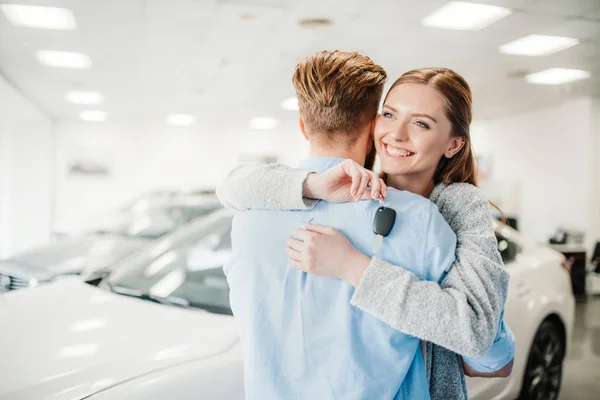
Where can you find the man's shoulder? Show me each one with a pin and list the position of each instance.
(409, 205)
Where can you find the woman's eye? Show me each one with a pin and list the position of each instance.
(387, 114)
(422, 124)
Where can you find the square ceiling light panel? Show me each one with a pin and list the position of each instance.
(93, 115)
(63, 59)
(557, 76)
(181, 119)
(263, 123)
(290, 104)
(87, 98)
(459, 15)
(538, 45)
(39, 17)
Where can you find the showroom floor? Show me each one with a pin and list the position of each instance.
(581, 379)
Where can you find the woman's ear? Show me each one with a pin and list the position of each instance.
(302, 128)
(456, 144)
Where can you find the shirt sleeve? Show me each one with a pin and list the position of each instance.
(264, 187)
(462, 313)
(499, 355)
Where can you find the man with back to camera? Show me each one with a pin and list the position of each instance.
(301, 337)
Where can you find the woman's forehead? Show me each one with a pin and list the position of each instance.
(416, 98)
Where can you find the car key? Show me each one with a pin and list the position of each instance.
(385, 218)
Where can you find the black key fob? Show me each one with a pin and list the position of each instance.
(384, 221)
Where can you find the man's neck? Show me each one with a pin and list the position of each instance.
(355, 154)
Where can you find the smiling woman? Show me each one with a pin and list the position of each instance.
(423, 130)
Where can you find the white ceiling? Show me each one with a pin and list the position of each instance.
(207, 57)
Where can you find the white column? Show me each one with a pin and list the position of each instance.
(26, 164)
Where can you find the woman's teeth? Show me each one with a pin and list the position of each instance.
(398, 153)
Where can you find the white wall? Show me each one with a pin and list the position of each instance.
(594, 175)
(143, 158)
(545, 155)
(26, 172)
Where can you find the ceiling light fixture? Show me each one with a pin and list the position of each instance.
(63, 59)
(557, 76)
(262, 123)
(538, 45)
(290, 104)
(86, 98)
(93, 115)
(181, 119)
(460, 15)
(39, 17)
(314, 22)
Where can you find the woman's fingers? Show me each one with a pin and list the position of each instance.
(378, 188)
(375, 186)
(325, 230)
(301, 234)
(383, 188)
(353, 171)
(298, 265)
(296, 244)
(362, 179)
(363, 185)
(294, 255)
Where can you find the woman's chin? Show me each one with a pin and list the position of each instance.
(394, 169)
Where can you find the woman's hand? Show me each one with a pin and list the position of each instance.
(347, 181)
(324, 251)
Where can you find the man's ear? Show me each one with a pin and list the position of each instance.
(456, 144)
(302, 128)
(373, 124)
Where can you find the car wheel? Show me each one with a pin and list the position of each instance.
(543, 374)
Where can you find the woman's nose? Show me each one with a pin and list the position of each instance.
(400, 134)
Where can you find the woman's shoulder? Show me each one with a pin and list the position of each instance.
(464, 206)
(457, 192)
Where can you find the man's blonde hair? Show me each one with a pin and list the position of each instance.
(338, 93)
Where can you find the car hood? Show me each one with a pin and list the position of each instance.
(68, 339)
(72, 255)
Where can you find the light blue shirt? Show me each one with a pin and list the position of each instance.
(301, 337)
(501, 352)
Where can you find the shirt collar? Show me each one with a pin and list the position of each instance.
(320, 164)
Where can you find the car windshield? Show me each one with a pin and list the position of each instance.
(187, 267)
(151, 223)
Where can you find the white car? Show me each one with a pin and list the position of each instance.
(160, 326)
(104, 242)
(540, 311)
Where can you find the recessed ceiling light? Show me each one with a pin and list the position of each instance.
(538, 45)
(263, 123)
(93, 115)
(460, 15)
(87, 98)
(39, 17)
(315, 22)
(181, 119)
(63, 59)
(557, 76)
(290, 104)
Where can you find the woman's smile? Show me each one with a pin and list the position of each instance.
(397, 152)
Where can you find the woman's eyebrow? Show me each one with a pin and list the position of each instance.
(426, 116)
(414, 115)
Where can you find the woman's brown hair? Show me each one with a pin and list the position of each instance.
(457, 95)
